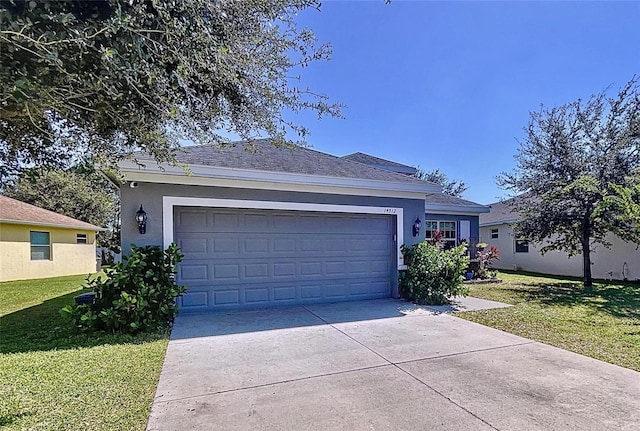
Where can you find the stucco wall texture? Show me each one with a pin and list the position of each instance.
(606, 263)
(67, 257)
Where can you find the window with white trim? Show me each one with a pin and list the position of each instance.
(40, 245)
(81, 238)
(495, 233)
(447, 228)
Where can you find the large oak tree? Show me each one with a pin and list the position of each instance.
(572, 159)
(105, 78)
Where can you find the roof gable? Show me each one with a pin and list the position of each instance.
(18, 212)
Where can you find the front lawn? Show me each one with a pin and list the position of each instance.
(602, 322)
(56, 379)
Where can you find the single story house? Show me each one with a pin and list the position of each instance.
(263, 225)
(37, 243)
(621, 261)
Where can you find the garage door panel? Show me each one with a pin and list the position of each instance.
(284, 269)
(259, 295)
(335, 268)
(284, 293)
(335, 244)
(256, 270)
(310, 268)
(194, 299)
(226, 297)
(311, 291)
(225, 221)
(225, 245)
(380, 287)
(379, 267)
(256, 245)
(191, 272)
(226, 272)
(336, 290)
(248, 258)
(192, 220)
(256, 222)
(193, 245)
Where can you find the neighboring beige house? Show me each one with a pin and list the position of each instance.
(37, 243)
(621, 261)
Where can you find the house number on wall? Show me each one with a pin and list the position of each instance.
(389, 210)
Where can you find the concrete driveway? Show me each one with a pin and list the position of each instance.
(379, 365)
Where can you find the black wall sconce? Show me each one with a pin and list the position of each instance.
(416, 227)
(141, 218)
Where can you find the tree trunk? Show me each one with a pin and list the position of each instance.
(586, 264)
(586, 252)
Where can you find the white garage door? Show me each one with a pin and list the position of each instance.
(254, 258)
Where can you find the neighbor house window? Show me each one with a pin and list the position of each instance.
(447, 228)
(495, 233)
(81, 238)
(40, 246)
(522, 246)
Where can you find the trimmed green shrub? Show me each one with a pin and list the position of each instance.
(433, 275)
(137, 295)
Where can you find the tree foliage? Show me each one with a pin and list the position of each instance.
(572, 157)
(449, 187)
(79, 192)
(107, 78)
(624, 204)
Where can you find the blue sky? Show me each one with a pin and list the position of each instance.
(450, 85)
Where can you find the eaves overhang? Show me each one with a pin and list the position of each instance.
(496, 223)
(61, 226)
(249, 178)
(456, 210)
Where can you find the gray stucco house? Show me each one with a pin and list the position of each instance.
(262, 225)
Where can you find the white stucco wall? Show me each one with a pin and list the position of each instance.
(604, 261)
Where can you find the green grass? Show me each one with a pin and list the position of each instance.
(53, 378)
(602, 322)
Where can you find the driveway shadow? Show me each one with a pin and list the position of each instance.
(267, 319)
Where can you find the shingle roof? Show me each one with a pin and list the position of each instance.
(444, 199)
(262, 155)
(368, 159)
(500, 213)
(15, 211)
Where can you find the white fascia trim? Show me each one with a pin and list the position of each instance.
(258, 185)
(169, 202)
(497, 223)
(61, 226)
(458, 210)
(130, 169)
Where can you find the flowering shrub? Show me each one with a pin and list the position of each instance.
(485, 259)
(433, 275)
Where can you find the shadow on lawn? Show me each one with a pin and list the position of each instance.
(41, 328)
(620, 300)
